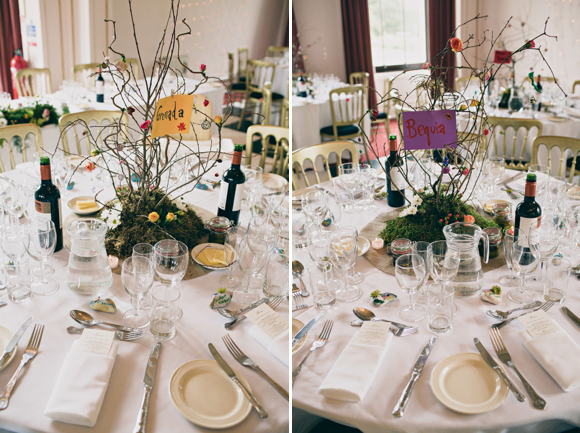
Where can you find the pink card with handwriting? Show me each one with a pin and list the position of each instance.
(429, 129)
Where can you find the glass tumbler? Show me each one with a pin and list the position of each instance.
(164, 311)
(558, 277)
(276, 279)
(440, 307)
(323, 285)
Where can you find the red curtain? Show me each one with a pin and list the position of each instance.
(297, 59)
(357, 41)
(441, 25)
(10, 39)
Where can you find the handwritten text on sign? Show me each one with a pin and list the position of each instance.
(173, 115)
(429, 129)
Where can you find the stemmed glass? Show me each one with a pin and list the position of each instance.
(14, 201)
(525, 259)
(343, 251)
(40, 244)
(137, 277)
(349, 176)
(354, 277)
(170, 262)
(252, 254)
(546, 243)
(508, 239)
(410, 271)
(314, 206)
(252, 184)
(143, 250)
(542, 179)
(497, 171)
(556, 190)
(12, 242)
(318, 243)
(420, 248)
(272, 191)
(368, 180)
(230, 240)
(443, 264)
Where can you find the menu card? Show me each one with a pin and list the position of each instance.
(267, 320)
(95, 341)
(372, 334)
(538, 323)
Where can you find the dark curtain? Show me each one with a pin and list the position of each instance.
(297, 59)
(356, 31)
(441, 24)
(10, 39)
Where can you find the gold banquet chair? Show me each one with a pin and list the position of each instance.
(83, 74)
(242, 64)
(324, 151)
(276, 52)
(574, 85)
(566, 146)
(461, 83)
(501, 126)
(33, 82)
(274, 139)
(93, 122)
(22, 131)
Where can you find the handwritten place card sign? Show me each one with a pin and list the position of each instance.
(502, 56)
(429, 129)
(172, 116)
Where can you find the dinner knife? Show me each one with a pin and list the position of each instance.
(14, 340)
(572, 316)
(399, 409)
(514, 178)
(491, 362)
(228, 370)
(305, 329)
(148, 382)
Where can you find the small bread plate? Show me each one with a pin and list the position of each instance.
(464, 383)
(297, 325)
(272, 179)
(489, 204)
(5, 336)
(363, 245)
(203, 393)
(72, 204)
(197, 250)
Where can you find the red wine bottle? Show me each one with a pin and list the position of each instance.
(395, 181)
(528, 212)
(232, 188)
(100, 87)
(47, 200)
(301, 86)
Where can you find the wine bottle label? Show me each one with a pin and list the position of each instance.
(525, 225)
(238, 196)
(100, 87)
(42, 207)
(397, 181)
(301, 86)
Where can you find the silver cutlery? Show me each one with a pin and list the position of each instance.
(87, 320)
(119, 335)
(568, 313)
(299, 303)
(513, 195)
(399, 409)
(366, 314)
(398, 329)
(491, 362)
(29, 353)
(14, 340)
(233, 314)
(513, 178)
(148, 382)
(243, 359)
(320, 341)
(232, 375)
(272, 303)
(547, 305)
(2, 303)
(502, 315)
(305, 329)
(505, 357)
(297, 270)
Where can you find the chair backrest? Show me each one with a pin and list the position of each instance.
(231, 78)
(281, 146)
(242, 62)
(324, 150)
(285, 113)
(462, 82)
(267, 103)
(501, 125)
(83, 74)
(576, 83)
(346, 105)
(275, 51)
(174, 63)
(569, 148)
(134, 66)
(361, 78)
(33, 82)
(259, 72)
(94, 123)
(22, 131)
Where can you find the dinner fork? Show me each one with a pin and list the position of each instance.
(119, 335)
(29, 353)
(243, 359)
(319, 342)
(298, 302)
(272, 303)
(547, 305)
(505, 357)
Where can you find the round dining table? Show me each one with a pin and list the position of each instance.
(424, 412)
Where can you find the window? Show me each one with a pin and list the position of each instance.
(398, 34)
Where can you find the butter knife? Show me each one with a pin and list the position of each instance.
(228, 370)
(572, 316)
(399, 409)
(305, 329)
(491, 362)
(148, 382)
(14, 340)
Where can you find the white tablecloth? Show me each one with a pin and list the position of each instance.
(199, 326)
(424, 413)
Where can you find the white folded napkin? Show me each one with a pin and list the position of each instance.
(558, 354)
(80, 387)
(353, 373)
(277, 347)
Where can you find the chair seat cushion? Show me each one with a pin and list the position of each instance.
(239, 86)
(382, 116)
(258, 95)
(342, 130)
(242, 79)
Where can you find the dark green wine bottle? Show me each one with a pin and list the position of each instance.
(395, 181)
(528, 212)
(47, 200)
(232, 188)
(100, 87)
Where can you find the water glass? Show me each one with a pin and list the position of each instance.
(440, 307)
(137, 277)
(557, 279)
(410, 271)
(510, 280)
(40, 244)
(314, 206)
(420, 248)
(323, 285)
(525, 260)
(277, 276)
(343, 251)
(164, 312)
(497, 170)
(18, 281)
(145, 250)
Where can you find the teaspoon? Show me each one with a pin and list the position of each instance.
(297, 270)
(502, 315)
(86, 319)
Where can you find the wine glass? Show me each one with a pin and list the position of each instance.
(314, 206)
(14, 201)
(368, 180)
(137, 276)
(497, 171)
(410, 271)
(318, 243)
(252, 184)
(343, 251)
(557, 187)
(252, 254)
(525, 259)
(542, 179)
(443, 264)
(546, 243)
(41, 241)
(230, 240)
(508, 239)
(349, 175)
(354, 277)
(13, 243)
(170, 261)
(272, 191)
(420, 248)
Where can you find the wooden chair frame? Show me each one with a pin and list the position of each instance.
(255, 83)
(276, 51)
(26, 83)
(564, 144)
(7, 133)
(282, 137)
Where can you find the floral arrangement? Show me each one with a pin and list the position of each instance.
(40, 114)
